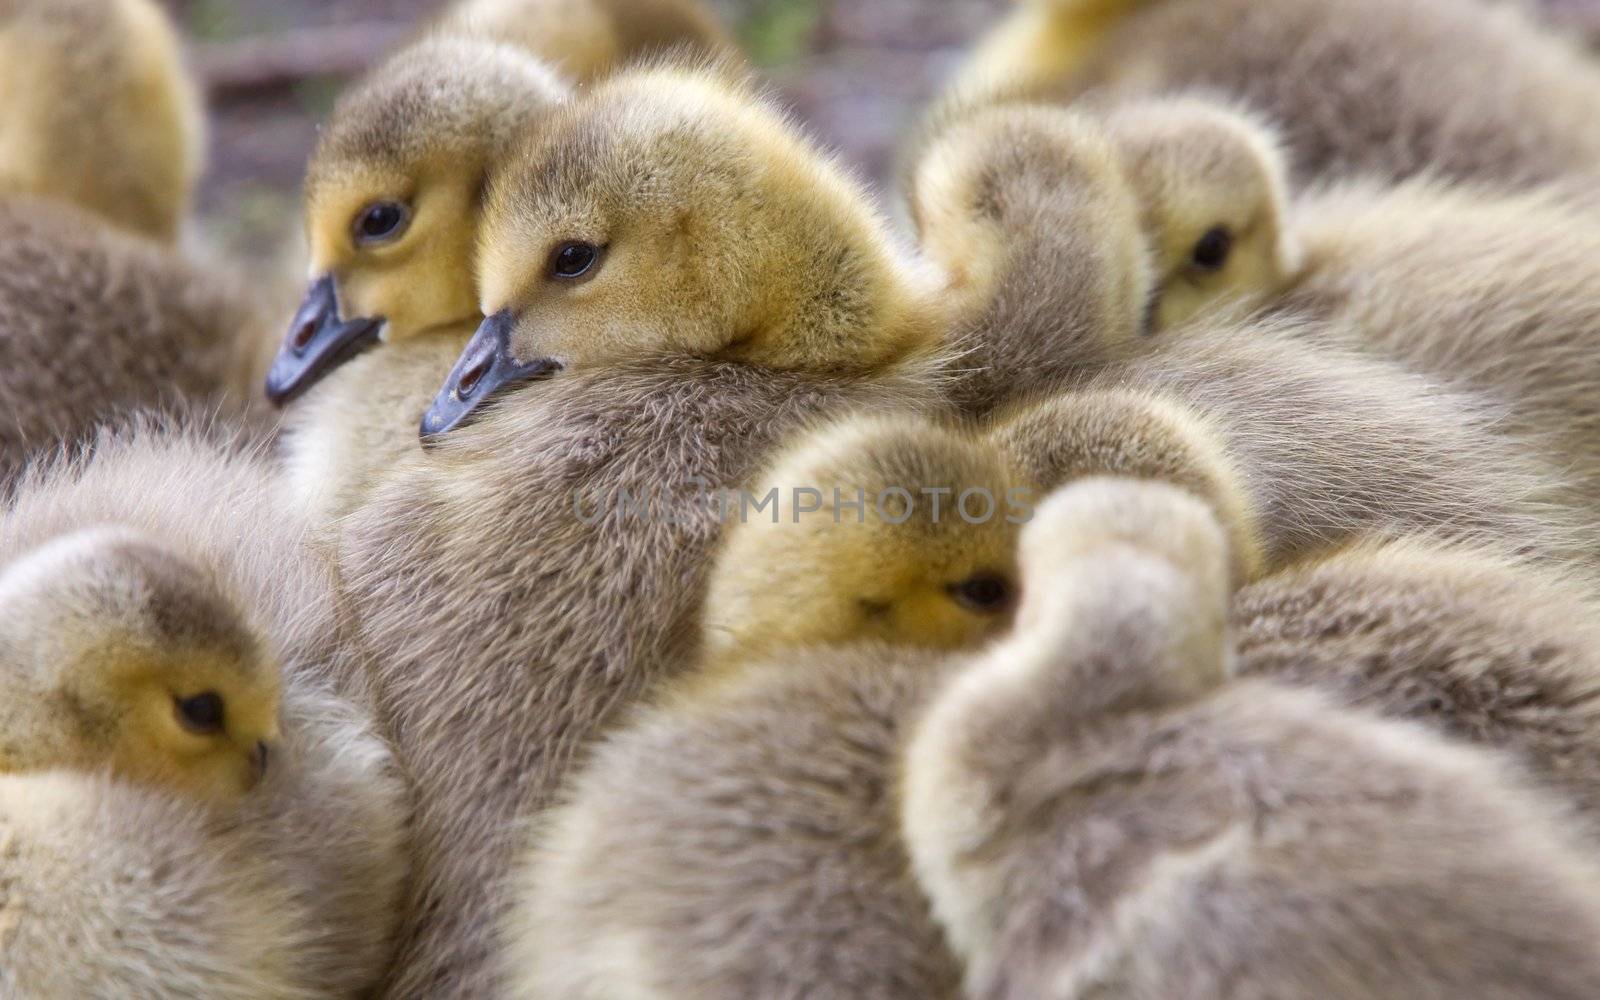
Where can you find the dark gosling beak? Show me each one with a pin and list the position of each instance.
(318, 341)
(258, 760)
(485, 369)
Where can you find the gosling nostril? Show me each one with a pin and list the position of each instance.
(303, 335)
(472, 376)
(262, 752)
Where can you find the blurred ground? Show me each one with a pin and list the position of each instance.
(857, 70)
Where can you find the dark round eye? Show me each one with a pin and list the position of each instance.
(202, 713)
(381, 222)
(985, 593)
(1213, 249)
(572, 260)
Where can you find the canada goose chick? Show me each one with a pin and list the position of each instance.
(1213, 193)
(119, 654)
(674, 212)
(1431, 87)
(1490, 649)
(1183, 187)
(392, 200)
(1032, 47)
(1039, 193)
(886, 528)
(1215, 837)
(587, 39)
(99, 110)
(1129, 433)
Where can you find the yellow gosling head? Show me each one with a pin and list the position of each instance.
(392, 199)
(1212, 185)
(120, 654)
(675, 212)
(1036, 195)
(886, 528)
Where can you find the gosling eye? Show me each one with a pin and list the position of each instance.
(1211, 252)
(381, 222)
(985, 593)
(573, 260)
(203, 714)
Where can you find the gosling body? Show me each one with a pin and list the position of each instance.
(692, 379)
(99, 314)
(328, 806)
(100, 111)
(1466, 91)
(1220, 837)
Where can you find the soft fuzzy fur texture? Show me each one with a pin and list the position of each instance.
(506, 633)
(926, 557)
(1465, 90)
(105, 633)
(1034, 219)
(1096, 809)
(426, 128)
(480, 589)
(331, 810)
(96, 323)
(99, 111)
(179, 908)
(423, 130)
(741, 842)
(588, 39)
(115, 890)
(360, 422)
(741, 838)
(1479, 645)
(757, 856)
(721, 231)
(1323, 444)
(1485, 290)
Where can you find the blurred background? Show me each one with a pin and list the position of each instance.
(857, 70)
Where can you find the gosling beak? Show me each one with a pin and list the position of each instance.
(318, 341)
(486, 369)
(258, 762)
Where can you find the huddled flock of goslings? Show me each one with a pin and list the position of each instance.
(332, 666)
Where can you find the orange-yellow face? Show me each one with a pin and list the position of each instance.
(118, 652)
(391, 258)
(926, 558)
(945, 586)
(605, 245)
(393, 197)
(1212, 187)
(399, 243)
(199, 722)
(1213, 252)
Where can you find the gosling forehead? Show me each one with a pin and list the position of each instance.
(109, 582)
(440, 95)
(928, 495)
(642, 127)
(1190, 149)
(910, 454)
(182, 611)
